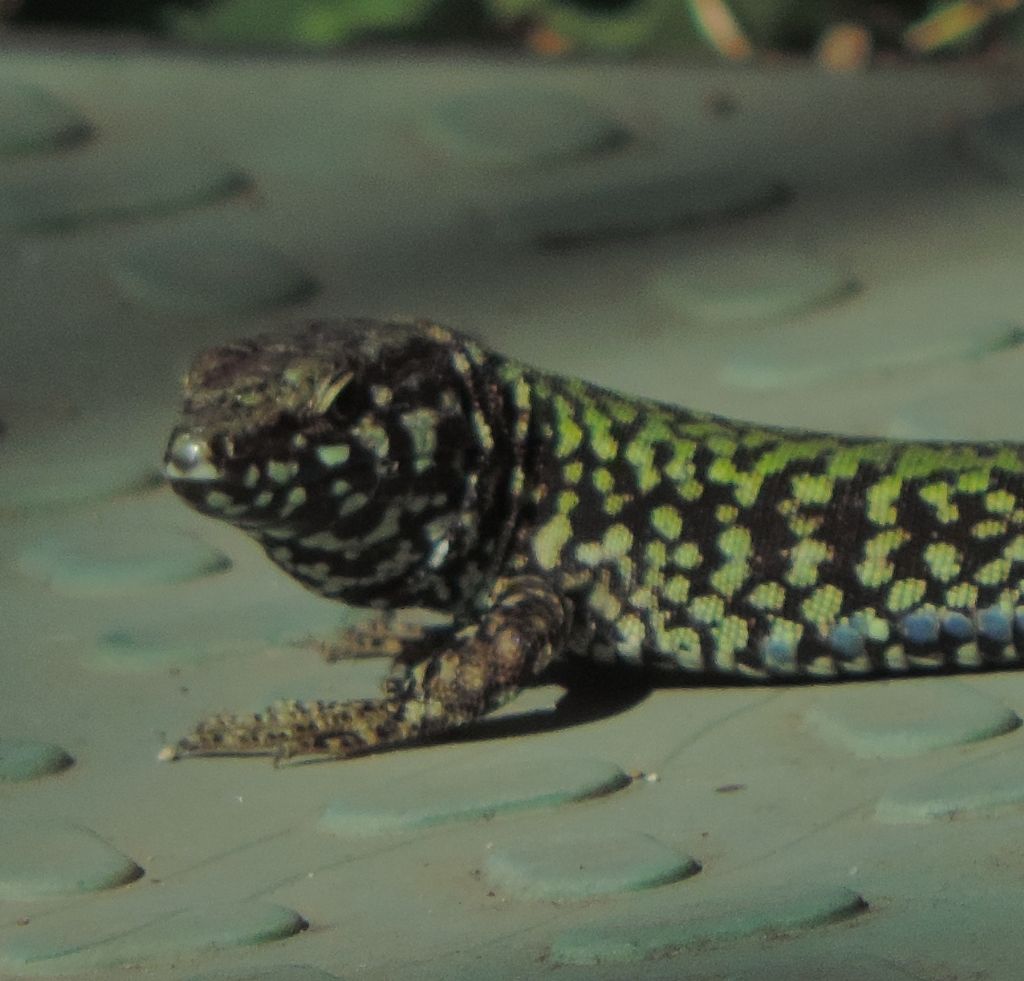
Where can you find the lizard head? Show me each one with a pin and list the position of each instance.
(349, 449)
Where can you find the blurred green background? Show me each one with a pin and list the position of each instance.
(842, 36)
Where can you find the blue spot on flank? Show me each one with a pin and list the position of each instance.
(920, 627)
(995, 624)
(778, 653)
(846, 640)
(958, 626)
(1018, 618)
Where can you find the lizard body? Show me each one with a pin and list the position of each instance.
(403, 465)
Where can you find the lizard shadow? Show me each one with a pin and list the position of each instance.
(578, 706)
(593, 693)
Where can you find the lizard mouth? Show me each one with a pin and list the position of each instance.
(197, 473)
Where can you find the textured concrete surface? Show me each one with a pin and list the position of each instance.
(773, 244)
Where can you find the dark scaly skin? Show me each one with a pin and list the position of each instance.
(398, 465)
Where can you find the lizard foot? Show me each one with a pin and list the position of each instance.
(478, 669)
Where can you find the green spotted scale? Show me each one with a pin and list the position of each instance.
(398, 465)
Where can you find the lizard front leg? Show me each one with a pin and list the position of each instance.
(481, 667)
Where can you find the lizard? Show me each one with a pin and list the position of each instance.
(402, 465)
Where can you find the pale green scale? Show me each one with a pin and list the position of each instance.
(567, 500)
(680, 466)
(944, 561)
(882, 497)
(624, 411)
(333, 454)
(572, 472)
(640, 453)
(707, 609)
(722, 471)
(632, 635)
(938, 495)
(993, 573)
(876, 570)
(282, 472)
(753, 437)
(747, 488)
(613, 504)
(568, 433)
(767, 596)
(656, 554)
(787, 452)
(617, 541)
(923, 460)
(973, 482)
(603, 602)
(603, 480)
(590, 553)
(904, 594)
(993, 528)
(324, 540)
(599, 426)
(655, 557)
(686, 555)
(1007, 458)
(803, 525)
(676, 589)
(656, 428)
(895, 658)
(295, 498)
(721, 444)
(352, 503)
(388, 527)
(550, 539)
(421, 425)
(730, 576)
(726, 514)
(1000, 502)
(812, 488)
(481, 427)
(968, 655)
(1014, 549)
(373, 436)
(691, 490)
(962, 596)
(845, 461)
(218, 500)
(804, 559)
(667, 522)
(875, 627)
(736, 542)
(684, 644)
(822, 606)
(730, 636)
(643, 598)
(382, 395)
